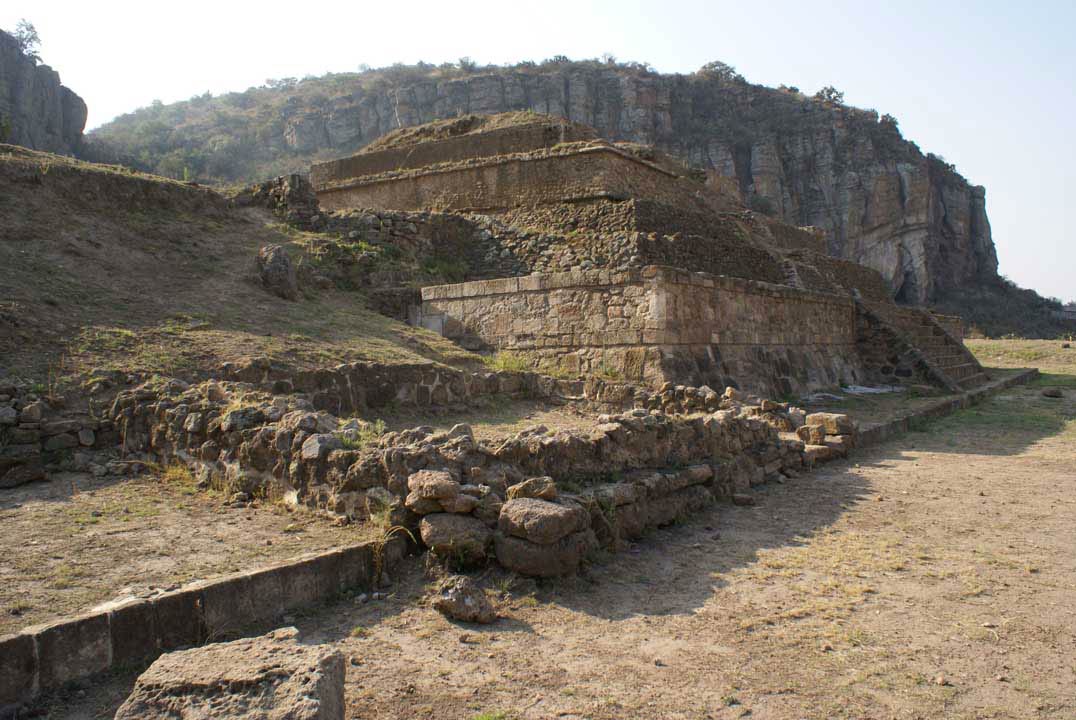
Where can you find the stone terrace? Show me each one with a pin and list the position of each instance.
(789, 322)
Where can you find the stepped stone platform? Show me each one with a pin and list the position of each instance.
(676, 282)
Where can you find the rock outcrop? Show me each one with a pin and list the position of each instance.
(880, 201)
(36, 111)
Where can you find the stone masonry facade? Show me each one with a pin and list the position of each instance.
(659, 324)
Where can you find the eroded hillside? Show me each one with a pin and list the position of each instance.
(105, 269)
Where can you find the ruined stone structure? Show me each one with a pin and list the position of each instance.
(688, 286)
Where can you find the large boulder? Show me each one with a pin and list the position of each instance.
(433, 484)
(562, 557)
(277, 273)
(540, 521)
(834, 423)
(272, 677)
(811, 434)
(462, 539)
(460, 598)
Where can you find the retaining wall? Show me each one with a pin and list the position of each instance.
(500, 141)
(47, 657)
(659, 324)
(563, 175)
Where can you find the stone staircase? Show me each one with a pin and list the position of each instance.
(941, 349)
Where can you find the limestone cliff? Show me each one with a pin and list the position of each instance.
(36, 111)
(880, 200)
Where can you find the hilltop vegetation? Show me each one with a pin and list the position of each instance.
(262, 131)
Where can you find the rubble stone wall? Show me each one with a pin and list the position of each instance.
(280, 449)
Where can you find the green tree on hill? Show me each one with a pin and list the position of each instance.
(28, 40)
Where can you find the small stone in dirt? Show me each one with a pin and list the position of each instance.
(941, 680)
(1001, 678)
(742, 499)
(362, 598)
(1053, 392)
(460, 598)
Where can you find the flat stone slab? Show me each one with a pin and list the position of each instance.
(271, 677)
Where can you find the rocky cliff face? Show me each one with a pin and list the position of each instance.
(36, 111)
(880, 201)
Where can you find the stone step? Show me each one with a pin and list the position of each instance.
(973, 381)
(959, 372)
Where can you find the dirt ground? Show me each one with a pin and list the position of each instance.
(75, 542)
(931, 576)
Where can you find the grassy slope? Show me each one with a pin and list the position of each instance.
(102, 268)
(1056, 362)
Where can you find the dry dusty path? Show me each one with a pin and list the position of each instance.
(934, 576)
(931, 577)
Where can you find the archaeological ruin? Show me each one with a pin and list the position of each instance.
(658, 277)
(683, 333)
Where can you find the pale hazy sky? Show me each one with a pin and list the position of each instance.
(987, 85)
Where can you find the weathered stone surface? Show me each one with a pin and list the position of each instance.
(812, 434)
(318, 446)
(562, 557)
(18, 669)
(460, 598)
(455, 537)
(542, 488)
(71, 649)
(62, 441)
(1053, 392)
(540, 521)
(8, 416)
(834, 423)
(263, 678)
(818, 454)
(33, 413)
(22, 473)
(433, 484)
(277, 272)
(41, 113)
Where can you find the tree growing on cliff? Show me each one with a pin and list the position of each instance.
(722, 71)
(27, 39)
(831, 95)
